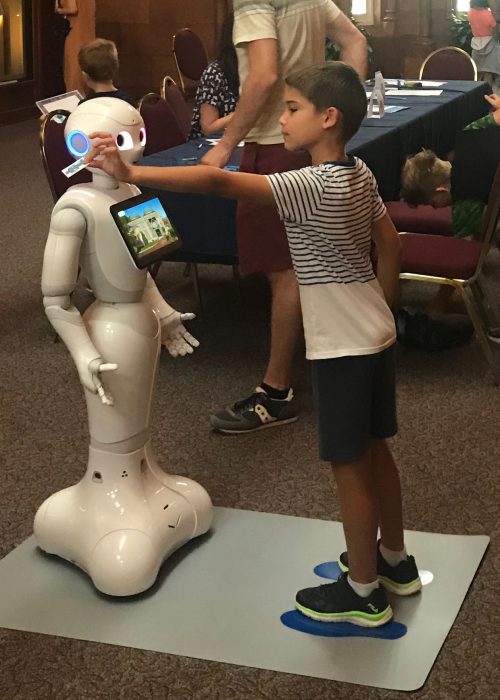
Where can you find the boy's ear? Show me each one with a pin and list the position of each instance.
(332, 117)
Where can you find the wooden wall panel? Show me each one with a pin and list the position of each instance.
(143, 32)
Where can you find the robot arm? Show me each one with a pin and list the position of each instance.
(59, 275)
(174, 336)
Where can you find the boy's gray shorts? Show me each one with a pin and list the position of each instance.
(355, 400)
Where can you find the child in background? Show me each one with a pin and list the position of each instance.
(98, 61)
(465, 183)
(485, 43)
(217, 93)
(332, 212)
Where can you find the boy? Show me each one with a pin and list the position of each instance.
(98, 61)
(465, 184)
(332, 211)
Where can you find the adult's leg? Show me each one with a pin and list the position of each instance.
(286, 325)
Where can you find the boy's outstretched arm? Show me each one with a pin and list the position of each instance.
(386, 238)
(198, 178)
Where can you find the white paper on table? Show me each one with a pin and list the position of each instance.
(422, 93)
(431, 83)
(214, 142)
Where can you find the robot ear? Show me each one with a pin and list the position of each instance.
(77, 143)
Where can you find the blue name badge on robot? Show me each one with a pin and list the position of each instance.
(146, 228)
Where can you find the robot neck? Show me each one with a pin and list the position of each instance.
(103, 181)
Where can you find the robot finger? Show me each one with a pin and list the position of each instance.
(191, 340)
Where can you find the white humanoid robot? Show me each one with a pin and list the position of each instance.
(126, 515)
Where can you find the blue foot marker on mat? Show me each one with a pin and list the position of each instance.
(296, 621)
(329, 569)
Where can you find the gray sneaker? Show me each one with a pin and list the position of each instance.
(254, 413)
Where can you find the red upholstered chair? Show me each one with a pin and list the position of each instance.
(55, 155)
(162, 129)
(458, 263)
(172, 94)
(421, 219)
(190, 57)
(448, 63)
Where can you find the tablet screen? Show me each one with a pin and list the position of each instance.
(146, 229)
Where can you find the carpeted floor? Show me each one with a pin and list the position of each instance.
(448, 449)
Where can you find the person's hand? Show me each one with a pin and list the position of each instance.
(218, 156)
(175, 337)
(106, 156)
(494, 101)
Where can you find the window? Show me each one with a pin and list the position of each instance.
(462, 5)
(362, 11)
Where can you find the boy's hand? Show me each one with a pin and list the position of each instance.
(494, 101)
(106, 156)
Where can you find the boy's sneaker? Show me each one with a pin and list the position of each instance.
(338, 602)
(402, 579)
(257, 411)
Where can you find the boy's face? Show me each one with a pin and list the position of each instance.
(301, 124)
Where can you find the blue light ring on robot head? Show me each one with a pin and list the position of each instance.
(78, 143)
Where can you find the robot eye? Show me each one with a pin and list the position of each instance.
(124, 141)
(78, 144)
(142, 137)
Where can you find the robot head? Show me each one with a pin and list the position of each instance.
(108, 114)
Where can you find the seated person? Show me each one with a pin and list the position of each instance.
(465, 183)
(98, 60)
(218, 90)
(485, 43)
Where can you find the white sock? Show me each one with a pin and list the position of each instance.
(362, 589)
(392, 558)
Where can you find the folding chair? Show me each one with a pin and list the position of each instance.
(458, 263)
(448, 63)
(162, 129)
(173, 95)
(190, 57)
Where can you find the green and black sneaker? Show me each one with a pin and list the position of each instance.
(402, 579)
(338, 602)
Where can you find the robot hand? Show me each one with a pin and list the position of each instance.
(174, 335)
(95, 367)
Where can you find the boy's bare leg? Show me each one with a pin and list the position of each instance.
(388, 491)
(286, 324)
(359, 509)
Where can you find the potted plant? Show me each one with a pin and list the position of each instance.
(460, 31)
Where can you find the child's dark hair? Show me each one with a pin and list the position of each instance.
(99, 59)
(482, 4)
(226, 54)
(333, 84)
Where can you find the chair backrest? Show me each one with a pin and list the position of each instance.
(448, 63)
(189, 54)
(491, 220)
(172, 93)
(55, 155)
(162, 129)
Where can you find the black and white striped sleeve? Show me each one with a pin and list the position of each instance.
(297, 193)
(378, 206)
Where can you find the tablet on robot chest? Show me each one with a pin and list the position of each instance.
(146, 228)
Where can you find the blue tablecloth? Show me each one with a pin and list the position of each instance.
(207, 223)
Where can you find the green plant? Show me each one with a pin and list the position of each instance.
(332, 51)
(460, 31)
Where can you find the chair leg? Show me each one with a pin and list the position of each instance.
(477, 321)
(483, 300)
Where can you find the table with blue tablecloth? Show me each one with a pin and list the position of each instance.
(206, 223)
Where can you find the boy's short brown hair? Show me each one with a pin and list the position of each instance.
(333, 84)
(422, 174)
(99, 59)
